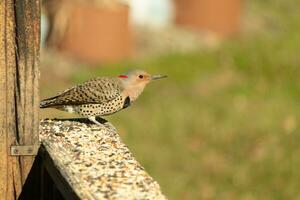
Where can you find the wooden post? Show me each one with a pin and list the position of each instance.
(19, 60)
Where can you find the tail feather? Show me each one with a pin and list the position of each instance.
(48, 102)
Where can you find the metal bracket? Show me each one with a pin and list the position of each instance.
(27, 150)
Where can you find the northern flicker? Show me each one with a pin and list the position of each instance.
(101, 96)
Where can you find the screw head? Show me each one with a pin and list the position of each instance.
(16, 151)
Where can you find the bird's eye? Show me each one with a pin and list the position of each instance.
(141, 76)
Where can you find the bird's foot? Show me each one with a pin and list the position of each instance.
(93, 119)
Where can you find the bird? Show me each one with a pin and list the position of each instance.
(102, 96)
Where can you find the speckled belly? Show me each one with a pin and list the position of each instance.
(100, 109)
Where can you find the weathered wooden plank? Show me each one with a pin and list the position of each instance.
(28, 40)
(19, 57)
(95, 162)
(8, 187)
(3, 142)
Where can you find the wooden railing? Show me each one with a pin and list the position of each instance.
(79, 160)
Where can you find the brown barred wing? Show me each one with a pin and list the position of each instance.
(94, 91)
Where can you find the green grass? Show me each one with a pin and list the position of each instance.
(225, 124)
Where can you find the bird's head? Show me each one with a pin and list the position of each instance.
(135, 81)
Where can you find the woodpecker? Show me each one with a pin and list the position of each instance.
(101, 96)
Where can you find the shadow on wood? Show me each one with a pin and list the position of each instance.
(45, 181)
(81, 120)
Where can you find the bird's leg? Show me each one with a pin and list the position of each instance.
(93, 119)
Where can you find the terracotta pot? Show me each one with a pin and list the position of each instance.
(98, 34)
(218, 16)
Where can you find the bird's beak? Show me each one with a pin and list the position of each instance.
(155, 77)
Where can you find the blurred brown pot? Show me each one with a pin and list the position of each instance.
(218, 16)
(98, 34)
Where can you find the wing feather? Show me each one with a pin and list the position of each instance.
(94, 91)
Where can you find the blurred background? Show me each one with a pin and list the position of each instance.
(225, 123)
